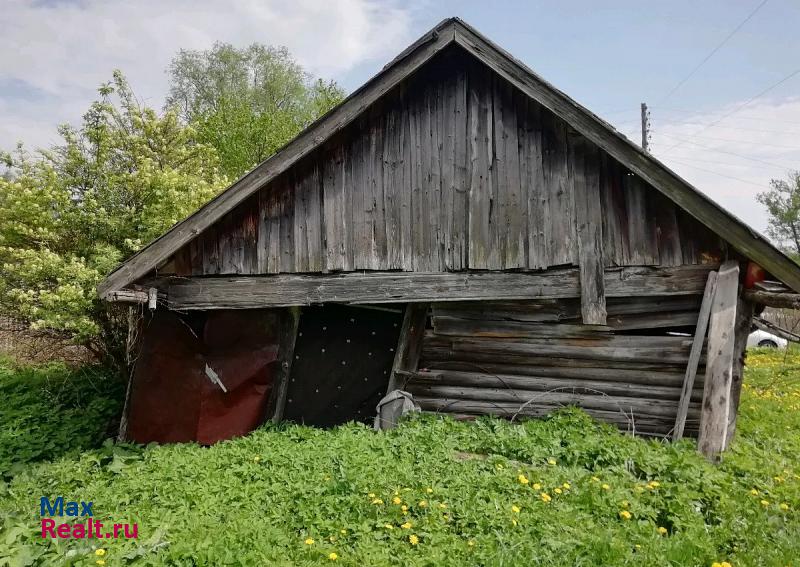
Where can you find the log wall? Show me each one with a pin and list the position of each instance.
(454, 170)
(531, 357)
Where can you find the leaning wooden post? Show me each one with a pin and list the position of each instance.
(288, 336)
(694, 356)
(409, 345)
(719, 365)
(744, 320)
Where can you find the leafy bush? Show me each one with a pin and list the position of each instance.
(559, 491)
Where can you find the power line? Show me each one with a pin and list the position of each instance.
(713, 51)
(759, 143)
(696, 112)
(742, 128)
(741, 106)
(713, 149)
(720, 174)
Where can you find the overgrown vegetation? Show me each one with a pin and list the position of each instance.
(560, 491)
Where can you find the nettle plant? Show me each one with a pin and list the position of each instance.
(71, 213)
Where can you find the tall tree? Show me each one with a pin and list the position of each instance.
(69, 214)
(783, 205)
(248, 102)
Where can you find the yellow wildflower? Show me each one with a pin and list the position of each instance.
(662, 530)
(343, 531)
(309, 541)
(396, 500)
(625, 503)
(784, 506)
(377, 501)
(514, 522)
(371, 495)
(406, 526)
(100, 552)
(499, 466)
(605, 487)
(625, 515)
(429, 490)
(754, 492)
(388, 526)
(537, 486)
(545, 497)
(522, 479)
(515, 509)
(765, 503)
(557, 490)
(332, 556)
(413, 540)
(422, 503)
(551, 461)
(404, 508)
(331, 538)
(100, 562)
(595, 479)
(470, 543)
(566, 486)
(638, 488)
(442, 505)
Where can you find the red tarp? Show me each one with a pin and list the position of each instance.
(172, 397)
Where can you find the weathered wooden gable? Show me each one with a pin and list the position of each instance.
(454, 170)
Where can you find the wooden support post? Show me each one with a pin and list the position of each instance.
(719, 364)
(694, 356)
(744, 317)
(409, 345)
(288, 335)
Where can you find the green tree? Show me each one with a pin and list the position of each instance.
(783, 205)
(246, 103)
(70, 214)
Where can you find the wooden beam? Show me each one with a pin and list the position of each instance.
(287, 337)
(304, 143)
(281, 290)
(719, 366)
(409, 345)
(769, 327)
(694, 355)
(590, 238)
(772, 299)
(744, 317)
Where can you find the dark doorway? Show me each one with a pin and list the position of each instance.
(342, 360)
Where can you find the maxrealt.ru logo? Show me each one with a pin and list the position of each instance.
(73, 511)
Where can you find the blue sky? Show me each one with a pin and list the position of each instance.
(610, 56)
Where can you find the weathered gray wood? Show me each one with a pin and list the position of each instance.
(694, 355)
(437, 377)
(559, 198)
(719, 368)
(288, 335)
(744, 317)
(771, 299)
(586, 179)
(480, 179)
(456, 326)
(770, 327)
(285, 290)
(409, 345)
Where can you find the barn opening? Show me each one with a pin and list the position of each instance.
(342, 362)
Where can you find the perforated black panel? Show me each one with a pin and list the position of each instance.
(342, 360)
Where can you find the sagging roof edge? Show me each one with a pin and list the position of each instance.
(455, 31)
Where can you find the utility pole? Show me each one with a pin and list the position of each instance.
(645, 128)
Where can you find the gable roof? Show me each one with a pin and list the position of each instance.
(448, 32)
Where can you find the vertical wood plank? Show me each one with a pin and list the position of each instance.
(392, 186)
(459, 230)
(559, 209)
(641, 229)
(409, 345)
(447, 139)
(480, 187)
(719, 366)
(532, 177)
(668, 239)
(694, 356)
(586, 181)
(287, 217)
(744, 321)
(288, 336)
(615, 240)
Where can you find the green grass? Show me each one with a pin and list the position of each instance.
(255, 500)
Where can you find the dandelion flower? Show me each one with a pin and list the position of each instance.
(371, 495)
(442, 505)
(545, 497)
(499, 466)
(784, 506)
(522, 479)
(515, 509)
(754, 492)
(566, 486)
(413, 540)
(551, 461)
(100, 552)
(406, 526)
(470, 543)
(595, 479)
(388, 526)
(309, 541)
(343, 531)
(404, 508)
(625, 515)
(536, 486)
(765, 503)
(332, 538)
(332, 556)
(605, 487)
(423, 504)
(662, 530)
(625, 503)
(377, 501)
(396, 500)
(429, 490)
(557, 490)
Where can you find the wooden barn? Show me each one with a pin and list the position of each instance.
(463, 231)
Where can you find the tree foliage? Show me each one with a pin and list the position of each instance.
(70, 214)
(783, 205)
(246, 103)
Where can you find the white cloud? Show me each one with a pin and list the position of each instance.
(56, 53)
(734, 160)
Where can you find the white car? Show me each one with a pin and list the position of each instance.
(759, 338)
